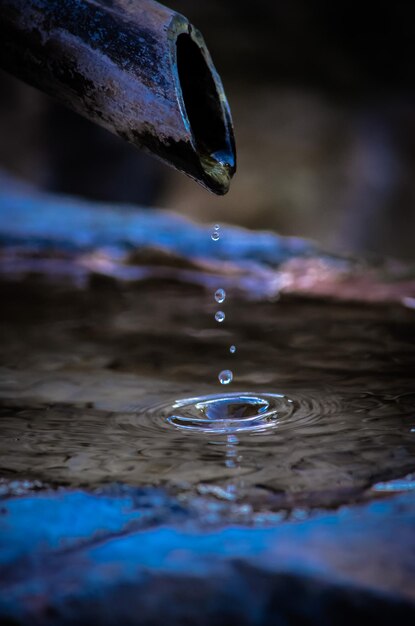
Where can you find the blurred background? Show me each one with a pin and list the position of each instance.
(323, 100)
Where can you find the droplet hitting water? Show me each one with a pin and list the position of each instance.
(220, 295)
(229, 413)
(225, 377)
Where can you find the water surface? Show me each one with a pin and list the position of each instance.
(92, 379)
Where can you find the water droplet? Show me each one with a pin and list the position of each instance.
(215, 236)
(225, 377)
(216, 227)
(232, 349)
(220, 295)
(219, 316)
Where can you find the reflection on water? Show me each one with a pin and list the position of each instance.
(92, 381)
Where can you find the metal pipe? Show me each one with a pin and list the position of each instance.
(135, 67)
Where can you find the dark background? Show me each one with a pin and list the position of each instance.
(322, 95)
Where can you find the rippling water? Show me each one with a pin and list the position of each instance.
(116, 384)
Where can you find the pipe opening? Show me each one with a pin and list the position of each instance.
(204, 110)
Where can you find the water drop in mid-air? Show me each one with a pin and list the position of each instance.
(220, 295)
(232, 349)
(219, 316)
(225, 377)
(215, 235)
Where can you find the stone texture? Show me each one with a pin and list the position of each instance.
(69, 237)
(137, 557)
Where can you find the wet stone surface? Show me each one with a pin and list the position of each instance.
(134, 556)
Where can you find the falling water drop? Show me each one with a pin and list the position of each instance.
(232, 349)
(225, 377)
(215, 234)
(220, 295)
(219, 316)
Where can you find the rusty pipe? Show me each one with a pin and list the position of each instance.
(135, 67)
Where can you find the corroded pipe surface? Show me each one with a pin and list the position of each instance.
(133, 66)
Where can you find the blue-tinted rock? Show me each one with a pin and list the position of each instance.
(74, 557)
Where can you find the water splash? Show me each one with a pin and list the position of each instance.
(229, 413)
